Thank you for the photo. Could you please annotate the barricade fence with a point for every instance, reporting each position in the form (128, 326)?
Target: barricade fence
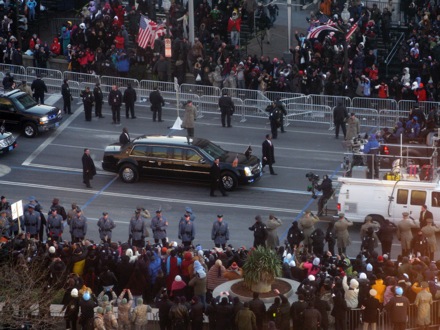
(372, 112)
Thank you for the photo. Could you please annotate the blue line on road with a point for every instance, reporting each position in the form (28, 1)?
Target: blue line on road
(42, 170)
(99, 192)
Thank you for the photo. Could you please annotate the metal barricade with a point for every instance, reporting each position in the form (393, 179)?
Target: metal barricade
(75, 88)
(12, 69)
(53, 85)
(301, 99)
(200, 90)
(310, 113)
(81, 77)
(329, 100)
(425, 106)
(367, 117)
(151, 85)
(44, 73)
(389, 118)
(246, 94)
(119, 81)
(209, 104)
(281, 95)
(254, 108)
(374, 103)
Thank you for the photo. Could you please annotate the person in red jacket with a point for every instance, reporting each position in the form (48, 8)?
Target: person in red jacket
(55, 48)
(420, 93)
(119, 41)
(234, 27)
(383, 91)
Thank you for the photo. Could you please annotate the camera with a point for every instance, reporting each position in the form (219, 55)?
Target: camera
(312, 187)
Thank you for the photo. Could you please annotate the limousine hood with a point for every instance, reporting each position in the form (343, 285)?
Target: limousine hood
(229, 157)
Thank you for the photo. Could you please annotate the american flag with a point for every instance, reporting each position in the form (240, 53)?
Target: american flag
(147, 32)
(352, 29)
(316, 31)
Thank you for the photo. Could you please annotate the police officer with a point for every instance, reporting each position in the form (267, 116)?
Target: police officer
(32, 221)
(79, 226)
(105, 227)
(129, 100)
(115, 101)
(136, 230)
(260, 232)
(97, 94)
(371, 148)
(220, 232)
(280, 105)
(159, 227)
(55, 225)
(227, 108)
(88, 99)
(67, 97)
(187, 231)
(157, 102)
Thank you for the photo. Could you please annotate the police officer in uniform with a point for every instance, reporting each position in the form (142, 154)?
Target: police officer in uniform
(159, 227)
(97, 94)
(227, 108)
(67, 97)
(186, 231)
(79, 226)
(32, 221)
(55, 225)
(260, 232)
(105, 227)
(88, 99)
(136, 230)
(220, 232)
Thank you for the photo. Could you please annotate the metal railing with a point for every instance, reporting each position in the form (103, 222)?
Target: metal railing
(393, 51)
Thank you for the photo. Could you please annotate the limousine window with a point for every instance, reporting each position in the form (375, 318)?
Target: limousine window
(192, 156)
(212, 149)
(139, 150)
(418, 197)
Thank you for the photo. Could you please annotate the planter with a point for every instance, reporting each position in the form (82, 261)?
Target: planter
(262, 287)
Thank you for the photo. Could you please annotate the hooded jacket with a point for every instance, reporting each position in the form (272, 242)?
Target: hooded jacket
(351, 292)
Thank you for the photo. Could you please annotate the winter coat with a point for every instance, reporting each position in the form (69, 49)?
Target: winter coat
(220, 232)
(189, 117)
(273, 240)
(398, 308)
(423, 303)
(199, 285)
(129, 95)
(215, 276)
(351, 292)
(341, 232)
(353, 128)
(245, 320)
(159, 227)
(370, 313)
(139, 316)
(404, 234)
(79, 227)
(187, 231)
(307, 225)
(429, 231)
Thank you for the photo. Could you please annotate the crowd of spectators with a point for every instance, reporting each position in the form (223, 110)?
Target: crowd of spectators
(106, 43)
(179, 279)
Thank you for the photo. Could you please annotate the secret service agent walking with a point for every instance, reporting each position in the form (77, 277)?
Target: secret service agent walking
(268, 153)
(216, 182)
(129, 100)
(159, 227)
(88, 99)
(89, 170)
(105, 227)
(220, 232)
(340, 115)
(115, 101)
(137, 230)
(157, 102)
(39, 88)
(260, 232)
(227, 108)
(67, 97)
(99, 98)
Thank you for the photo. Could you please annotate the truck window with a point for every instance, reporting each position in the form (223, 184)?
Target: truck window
(435, 199)
(418, 197)
(402, 196)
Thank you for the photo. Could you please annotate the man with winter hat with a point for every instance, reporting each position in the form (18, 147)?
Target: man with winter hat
(370, 307)
(71, 310)
(260, 232)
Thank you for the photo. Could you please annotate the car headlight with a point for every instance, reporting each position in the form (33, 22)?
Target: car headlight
(44, 120)
(59, 113)
(247, 171)
(3, 143)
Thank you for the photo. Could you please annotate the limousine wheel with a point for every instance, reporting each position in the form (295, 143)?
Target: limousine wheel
(128, 173)
(229, 180)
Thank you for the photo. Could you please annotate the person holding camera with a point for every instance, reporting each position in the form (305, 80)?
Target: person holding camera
(307, 225)
(227, 108)
(342, 234)
(326, 187)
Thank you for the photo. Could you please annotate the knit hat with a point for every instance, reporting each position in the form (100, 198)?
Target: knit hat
(363, 276)
(177, 278)
(316, 261)
(124, 301)
(380, 258)
(99, 310)
(218, 262)
(399, 290)
(52, 250)
(234, 266)
(311, 278)
(86, 296)
(292, 263)
(74, 293)
(354, 284)
(201, 272)
(369, 268)
(197, 266)
(373, 293)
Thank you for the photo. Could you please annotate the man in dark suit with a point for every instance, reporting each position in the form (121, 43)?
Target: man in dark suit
(216, 179)
(268, 153)
(424, 215)
(124, 138)
(227, 108)
(157, 102)
(39, 88)
(89, 170)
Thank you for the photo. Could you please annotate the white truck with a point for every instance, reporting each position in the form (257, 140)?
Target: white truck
(387, 199)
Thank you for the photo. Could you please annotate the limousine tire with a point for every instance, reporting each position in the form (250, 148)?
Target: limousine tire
(229, 180)
(128, 173)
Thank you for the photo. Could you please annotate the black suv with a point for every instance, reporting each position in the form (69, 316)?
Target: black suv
(171, 157)
(19, 109)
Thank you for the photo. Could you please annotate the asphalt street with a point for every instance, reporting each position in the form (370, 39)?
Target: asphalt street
(50, 166)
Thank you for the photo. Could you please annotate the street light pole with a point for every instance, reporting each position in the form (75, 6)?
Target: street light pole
(289, 24)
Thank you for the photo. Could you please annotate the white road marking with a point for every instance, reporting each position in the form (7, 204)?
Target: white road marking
(149, 198)
(4, 170)
(52, 137)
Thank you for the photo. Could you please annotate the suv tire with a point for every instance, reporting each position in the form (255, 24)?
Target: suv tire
(30, 130)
